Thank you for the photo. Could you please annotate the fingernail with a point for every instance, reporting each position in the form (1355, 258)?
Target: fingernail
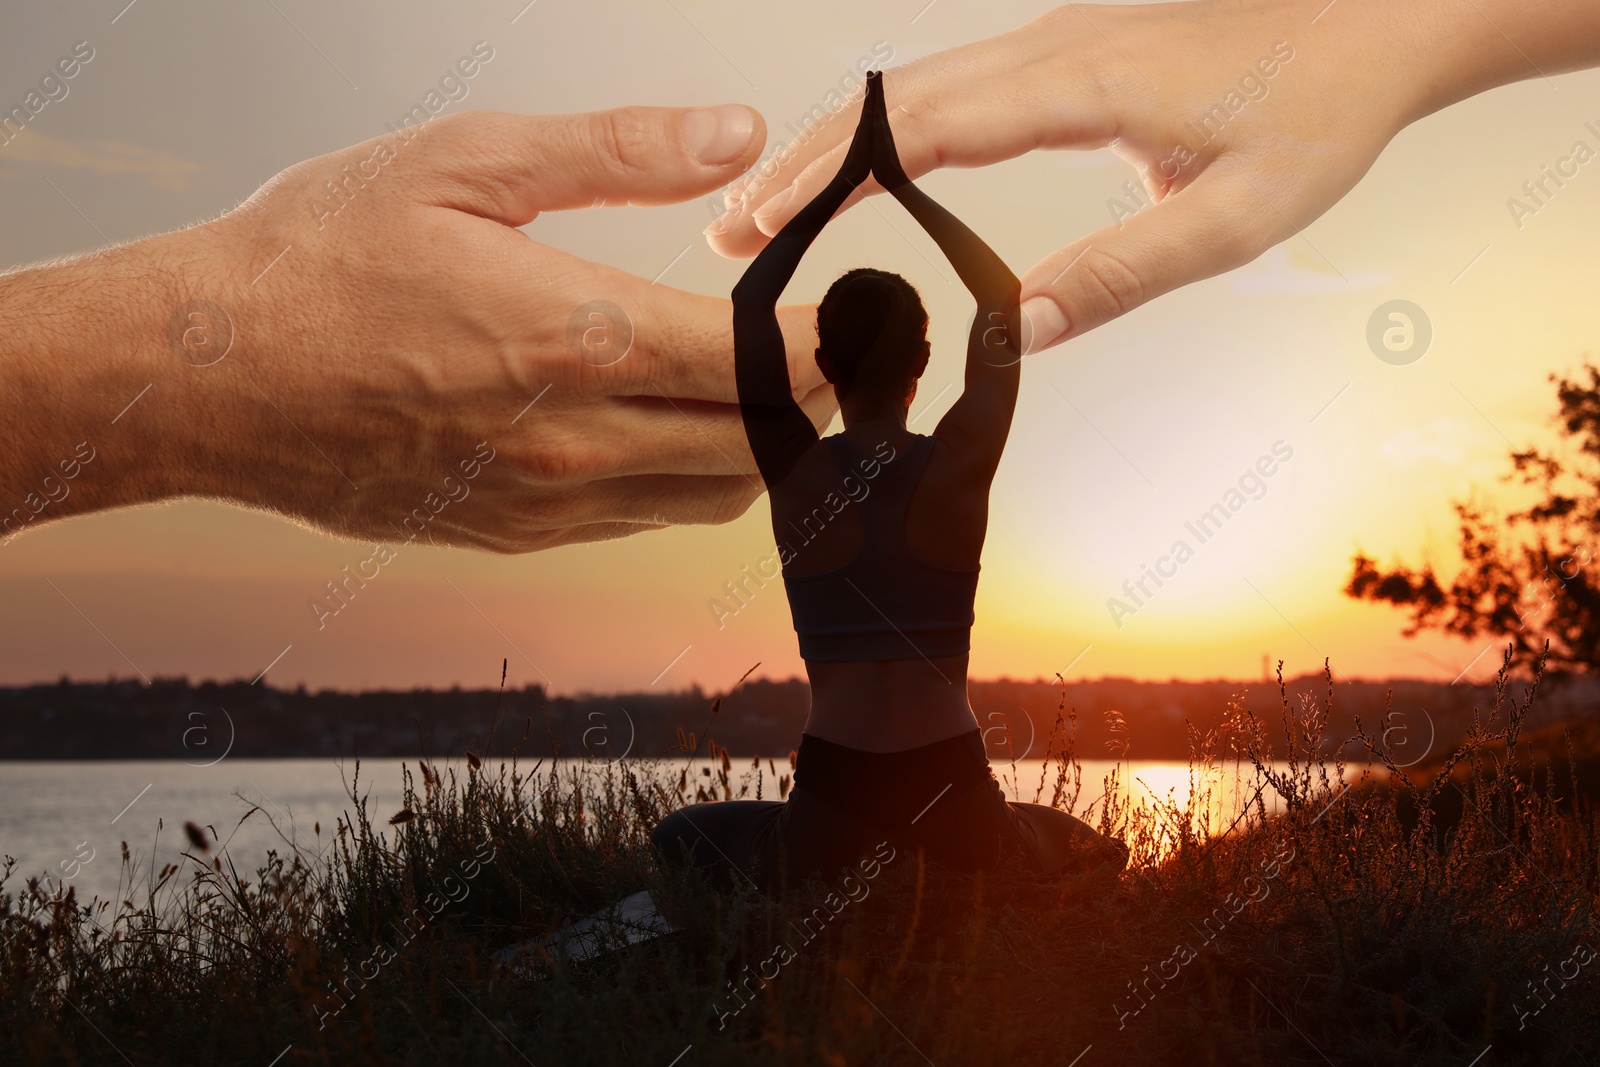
(718, 135)
(766, 218)
(723, 222)
(1044, 323)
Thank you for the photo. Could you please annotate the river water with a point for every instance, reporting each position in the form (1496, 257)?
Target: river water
(68, 820)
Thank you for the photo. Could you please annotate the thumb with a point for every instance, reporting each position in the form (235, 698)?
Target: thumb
(1207, 227)
(511, 167)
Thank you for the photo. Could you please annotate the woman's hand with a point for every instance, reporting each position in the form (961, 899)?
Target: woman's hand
(370, 346)
(886, 166)
(857, 165)
(1246, 119)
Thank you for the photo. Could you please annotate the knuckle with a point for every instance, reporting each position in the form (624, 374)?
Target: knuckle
(1236, 244)
(557, 462)
(535, 541)
(549, 526)
(732, 500)
(622, 141)
(1060, 17)
(458, 125)
(451, 136)
(507, 547)
(1111, 282)
(1075, 53)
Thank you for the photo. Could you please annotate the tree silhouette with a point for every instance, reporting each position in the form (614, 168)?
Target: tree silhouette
(1529, 578)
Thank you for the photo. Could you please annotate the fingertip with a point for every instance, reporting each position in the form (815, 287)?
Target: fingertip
(1044, 324)
(722, 223)
(776, 211)
(720, 135)
(740, 240)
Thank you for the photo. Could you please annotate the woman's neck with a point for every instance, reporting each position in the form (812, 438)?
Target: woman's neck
(878, 422)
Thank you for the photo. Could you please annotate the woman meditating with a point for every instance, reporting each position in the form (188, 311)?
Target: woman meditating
(879, 532)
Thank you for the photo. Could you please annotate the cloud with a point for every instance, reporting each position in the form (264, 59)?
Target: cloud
(1295, 267)
(1442, 440)
(161, 170)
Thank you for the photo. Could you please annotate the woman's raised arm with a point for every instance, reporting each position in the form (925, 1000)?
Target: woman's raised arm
(981, 418)
(779, 431)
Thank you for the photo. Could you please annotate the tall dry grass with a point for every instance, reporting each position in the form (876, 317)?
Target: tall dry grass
(1346, 914)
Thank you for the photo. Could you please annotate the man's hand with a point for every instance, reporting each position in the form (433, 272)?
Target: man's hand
(1246, 119)
(369, 345)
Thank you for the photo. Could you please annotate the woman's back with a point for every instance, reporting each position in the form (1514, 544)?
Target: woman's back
(946, 516)
(905, 589)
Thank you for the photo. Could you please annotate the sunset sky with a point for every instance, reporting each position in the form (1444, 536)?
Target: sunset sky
(1120, 437)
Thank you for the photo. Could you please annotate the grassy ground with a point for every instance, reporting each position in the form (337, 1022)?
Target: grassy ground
(1412, 918)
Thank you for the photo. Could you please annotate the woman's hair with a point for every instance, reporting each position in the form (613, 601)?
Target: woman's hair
(872, 327)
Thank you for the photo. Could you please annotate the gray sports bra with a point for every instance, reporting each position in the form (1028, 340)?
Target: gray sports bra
(885, 603)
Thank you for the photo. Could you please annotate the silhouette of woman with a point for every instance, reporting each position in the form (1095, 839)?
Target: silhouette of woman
(879, 531)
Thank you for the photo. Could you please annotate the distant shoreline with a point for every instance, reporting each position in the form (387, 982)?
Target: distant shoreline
(173, 719)
(14, 687)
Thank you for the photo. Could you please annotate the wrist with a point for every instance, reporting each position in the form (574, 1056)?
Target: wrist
(1443, 52)
(98, 412)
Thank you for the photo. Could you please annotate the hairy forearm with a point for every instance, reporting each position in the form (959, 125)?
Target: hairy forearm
(86, 383)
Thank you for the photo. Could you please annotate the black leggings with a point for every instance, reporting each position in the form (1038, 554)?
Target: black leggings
(847, 804)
